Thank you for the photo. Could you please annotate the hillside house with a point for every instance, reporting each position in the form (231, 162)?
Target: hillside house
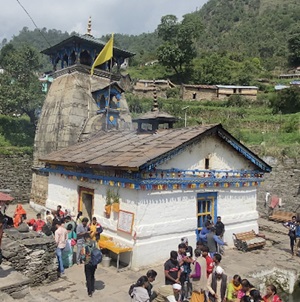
(198, 92)
(225, 91)
(145, 88)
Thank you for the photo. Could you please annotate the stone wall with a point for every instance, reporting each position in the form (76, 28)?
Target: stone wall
(30, 254)
(39, 190)
(283, 181)
(15, 176)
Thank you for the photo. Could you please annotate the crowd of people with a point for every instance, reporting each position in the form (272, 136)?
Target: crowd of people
(70, 235)
(197, 275)
(190, 275)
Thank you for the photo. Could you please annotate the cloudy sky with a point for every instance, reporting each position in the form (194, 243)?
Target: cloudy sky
(118, 16)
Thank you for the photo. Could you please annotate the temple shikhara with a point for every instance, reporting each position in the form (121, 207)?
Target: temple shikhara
(159, 182)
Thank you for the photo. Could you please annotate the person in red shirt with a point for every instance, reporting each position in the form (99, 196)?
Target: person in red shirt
(39, 223)
(209, 260)
(271, 294)
(59, 212)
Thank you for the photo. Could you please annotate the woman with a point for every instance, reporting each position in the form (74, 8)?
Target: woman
(79, 218)
(245, 290)
(255, 295)
(19, 214)
(271, 294)
(233, 287)
(139, 292)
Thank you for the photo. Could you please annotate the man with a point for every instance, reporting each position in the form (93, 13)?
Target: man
(89, 267)
(217, 261)
(205, 230)
(198, 277)
(61, 236)
(220, 227)
(185, 267)
(208, 259)
(172, 269)
(95, 229)
(151, 275)
(82, 231)
(291, 226)
(1, 234)
(168, 293)
(220, 230)
(297, 233)
(189, 249)
(59, 212)
(69, 221)
(39, 223)
(217, 285)
(213, 240)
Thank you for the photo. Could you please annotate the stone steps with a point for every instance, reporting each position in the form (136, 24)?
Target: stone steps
(13, 283)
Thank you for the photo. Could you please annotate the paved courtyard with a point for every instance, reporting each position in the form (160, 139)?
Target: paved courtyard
(113, 287)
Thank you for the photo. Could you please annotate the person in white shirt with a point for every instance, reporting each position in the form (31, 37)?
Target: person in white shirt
(168, 293)
(217, 285)
(61, 236)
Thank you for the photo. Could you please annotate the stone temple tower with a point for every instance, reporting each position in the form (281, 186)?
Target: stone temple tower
(77, 104)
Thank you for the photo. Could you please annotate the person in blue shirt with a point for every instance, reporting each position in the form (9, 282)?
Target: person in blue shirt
(212, 241)
(291, 226)
(297, 232)
(205, 230)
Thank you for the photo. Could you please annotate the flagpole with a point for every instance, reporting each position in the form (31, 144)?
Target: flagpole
(109, 89)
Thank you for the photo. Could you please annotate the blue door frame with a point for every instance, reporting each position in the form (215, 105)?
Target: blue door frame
(206, 205)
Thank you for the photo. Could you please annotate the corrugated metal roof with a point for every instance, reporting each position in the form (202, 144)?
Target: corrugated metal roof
(236, 87)
(200, 86)
(126, 149)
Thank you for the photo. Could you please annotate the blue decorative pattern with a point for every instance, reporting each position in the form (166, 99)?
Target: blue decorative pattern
(183, 180)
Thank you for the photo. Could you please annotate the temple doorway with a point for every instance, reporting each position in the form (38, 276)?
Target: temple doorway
(86, 202)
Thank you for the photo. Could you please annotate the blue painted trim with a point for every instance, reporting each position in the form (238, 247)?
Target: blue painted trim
(226, 136)
(138, 183)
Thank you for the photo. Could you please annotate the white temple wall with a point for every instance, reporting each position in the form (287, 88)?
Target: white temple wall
(161, 217)
(221, 156)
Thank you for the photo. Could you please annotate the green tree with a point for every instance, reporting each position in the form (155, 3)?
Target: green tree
(294, 48)
(20, 89)
(286, 101)
(178, 49)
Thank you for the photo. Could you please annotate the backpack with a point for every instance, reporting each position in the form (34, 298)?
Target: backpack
(96, 256)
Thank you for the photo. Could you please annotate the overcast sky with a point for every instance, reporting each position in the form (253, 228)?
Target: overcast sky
(118, 16)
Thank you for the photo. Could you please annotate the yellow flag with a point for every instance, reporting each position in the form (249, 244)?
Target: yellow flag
(105, 54)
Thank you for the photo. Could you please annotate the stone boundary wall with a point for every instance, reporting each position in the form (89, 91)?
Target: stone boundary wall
(283, 181)
(31, 254)
(16, 175)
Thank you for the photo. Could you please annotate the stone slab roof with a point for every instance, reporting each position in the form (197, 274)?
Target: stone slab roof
(97, 43)
(130, 150)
